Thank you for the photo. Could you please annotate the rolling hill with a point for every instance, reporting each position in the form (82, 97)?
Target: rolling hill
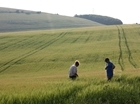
(106, 20)
(34, 66)
(21, 20)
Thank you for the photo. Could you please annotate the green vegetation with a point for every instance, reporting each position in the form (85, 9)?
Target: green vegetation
(101, 19)
(34, 66)
(21, 20)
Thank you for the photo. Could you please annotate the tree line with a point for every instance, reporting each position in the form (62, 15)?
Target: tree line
(101, 19)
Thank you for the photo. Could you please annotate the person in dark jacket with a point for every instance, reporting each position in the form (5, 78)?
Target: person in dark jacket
(109, 69)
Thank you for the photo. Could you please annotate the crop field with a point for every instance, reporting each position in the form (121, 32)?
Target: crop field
(34, 66)
(11, 22)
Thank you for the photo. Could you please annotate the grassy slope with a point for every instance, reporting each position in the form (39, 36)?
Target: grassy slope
(45, 50)
(34, 63)
(50, 50)
(35, 21)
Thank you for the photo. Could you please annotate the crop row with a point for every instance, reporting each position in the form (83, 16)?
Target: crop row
(15, 60)
(122, 37)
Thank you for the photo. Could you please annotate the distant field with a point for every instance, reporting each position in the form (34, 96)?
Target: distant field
(34, 66)
(21, 20)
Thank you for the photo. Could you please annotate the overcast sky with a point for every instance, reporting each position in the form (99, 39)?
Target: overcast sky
(125, 10)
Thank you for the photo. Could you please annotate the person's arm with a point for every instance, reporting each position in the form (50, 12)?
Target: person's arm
(76, 72)
(106, 67)
(113, 66)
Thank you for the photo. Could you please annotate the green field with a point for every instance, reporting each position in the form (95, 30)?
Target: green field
(34, 66)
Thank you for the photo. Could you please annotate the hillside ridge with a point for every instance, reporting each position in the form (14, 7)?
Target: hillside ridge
(22, 20)
(106, 20)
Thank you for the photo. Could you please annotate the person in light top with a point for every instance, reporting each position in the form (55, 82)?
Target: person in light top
(109, 69)
(73, 70)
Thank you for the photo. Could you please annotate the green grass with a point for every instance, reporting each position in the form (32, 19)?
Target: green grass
(83, 91)
(34, 66)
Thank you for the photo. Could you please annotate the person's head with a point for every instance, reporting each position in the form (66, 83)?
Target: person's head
(77, 63)
(107, 60)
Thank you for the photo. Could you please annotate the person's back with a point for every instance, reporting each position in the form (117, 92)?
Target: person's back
(73, 70)
(109, 69)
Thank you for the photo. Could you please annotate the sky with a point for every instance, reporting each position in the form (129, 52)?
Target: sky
(125, 10)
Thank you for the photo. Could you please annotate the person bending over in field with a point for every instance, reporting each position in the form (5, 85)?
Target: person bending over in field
(73, 70)
(109, 69)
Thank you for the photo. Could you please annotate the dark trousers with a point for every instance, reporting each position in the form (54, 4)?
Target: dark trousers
(72, 77)
(109, 77)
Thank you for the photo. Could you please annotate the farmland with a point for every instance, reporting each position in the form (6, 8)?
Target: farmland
(34, 66)
(20, 20)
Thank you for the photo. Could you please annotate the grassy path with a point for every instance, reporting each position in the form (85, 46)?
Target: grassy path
(120, 59)
(122, 36)
(130, 58)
